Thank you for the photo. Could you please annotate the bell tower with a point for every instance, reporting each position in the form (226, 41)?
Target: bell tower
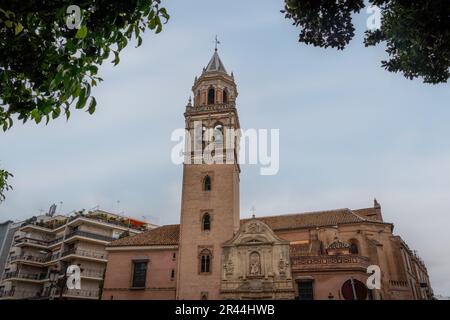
(210, 193)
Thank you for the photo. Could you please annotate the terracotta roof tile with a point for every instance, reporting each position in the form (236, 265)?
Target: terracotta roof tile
(311, 219)
(169, 234)
(165, 235)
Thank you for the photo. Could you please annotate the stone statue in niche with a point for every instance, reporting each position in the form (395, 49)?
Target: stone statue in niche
(282, 265)
(229, 267)
(255, 264)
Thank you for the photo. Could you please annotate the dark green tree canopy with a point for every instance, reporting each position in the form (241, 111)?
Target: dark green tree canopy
(49, 57)
(46, 66)
(4, 186)
(416, 32)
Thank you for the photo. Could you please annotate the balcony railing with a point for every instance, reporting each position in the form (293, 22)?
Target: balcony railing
(211, 107)
(100, 218)
(50, 243)
(54, 256)
(92, 273)
(23, 275)
(19, 294)
(31, 241)
(79, 293)
(324, 262)
(85, 253)
(26, 257)
(89, 235)
(398, 283)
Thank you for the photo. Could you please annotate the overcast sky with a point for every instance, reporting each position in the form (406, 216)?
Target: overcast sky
(349, 131)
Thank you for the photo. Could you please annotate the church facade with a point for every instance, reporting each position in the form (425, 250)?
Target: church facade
(214, 254)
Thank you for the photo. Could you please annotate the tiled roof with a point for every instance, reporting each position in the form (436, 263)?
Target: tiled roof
(169, 234)
(311, 219)
(165, 235)
(369, 213)
(215, 64)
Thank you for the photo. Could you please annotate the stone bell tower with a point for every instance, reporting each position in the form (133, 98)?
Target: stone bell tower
(210, 195)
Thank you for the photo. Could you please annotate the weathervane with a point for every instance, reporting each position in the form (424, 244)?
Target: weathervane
(217, 42)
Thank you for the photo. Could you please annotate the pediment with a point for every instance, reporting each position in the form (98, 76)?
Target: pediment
(254, 231)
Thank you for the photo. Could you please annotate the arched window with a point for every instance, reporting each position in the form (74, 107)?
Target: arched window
(353, 247)
(207, 183)
(205, 261)
(225, 96)
(206, 222)
(201, 137)
(218, 134)
(211, 95)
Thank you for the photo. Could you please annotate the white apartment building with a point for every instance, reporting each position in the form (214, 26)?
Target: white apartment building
(44, 247)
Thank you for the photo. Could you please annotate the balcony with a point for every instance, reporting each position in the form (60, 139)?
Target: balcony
(89, 235)
(27, 259)
(80, 294)
(123, 223)
(398, 285)
(190, 110)
(31, 242)
(92, 274)
(86, 254)
(19, 294)
(23, 276)
(53, 258)
(49, 227)
(329, 263)
(54, 242)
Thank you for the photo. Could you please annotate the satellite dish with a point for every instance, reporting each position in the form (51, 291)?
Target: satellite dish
(52, 210)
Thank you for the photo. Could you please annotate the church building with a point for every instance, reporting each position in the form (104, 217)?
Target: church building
(214, 254)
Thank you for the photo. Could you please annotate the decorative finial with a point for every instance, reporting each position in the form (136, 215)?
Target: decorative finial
(253, 210)
(190, 101)
(217, 42)
(376, 204)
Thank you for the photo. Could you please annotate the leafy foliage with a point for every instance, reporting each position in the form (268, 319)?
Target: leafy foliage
(416, 32)
(4, 186)
(46, 67)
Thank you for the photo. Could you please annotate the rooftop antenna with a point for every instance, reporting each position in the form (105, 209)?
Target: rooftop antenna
(51, 210)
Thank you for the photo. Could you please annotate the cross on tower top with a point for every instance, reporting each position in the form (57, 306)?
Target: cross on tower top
(253, 210)
(217, 42)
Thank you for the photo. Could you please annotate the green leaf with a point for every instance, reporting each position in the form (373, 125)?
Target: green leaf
(116, 58)
(92, 106)
(56, 112)
(36, 115)
(19, 28)
(81, 99)
(81, 33)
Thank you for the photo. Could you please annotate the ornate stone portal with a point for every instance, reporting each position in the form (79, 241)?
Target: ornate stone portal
(256, 265)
